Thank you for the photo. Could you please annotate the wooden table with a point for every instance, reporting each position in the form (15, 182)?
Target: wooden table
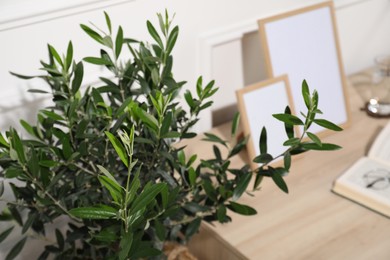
(310, 222)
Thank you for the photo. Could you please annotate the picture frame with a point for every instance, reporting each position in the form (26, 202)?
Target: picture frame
(304, 44)
(256, 104)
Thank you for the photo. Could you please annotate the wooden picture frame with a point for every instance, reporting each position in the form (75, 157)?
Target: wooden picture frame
(304, 45)
(257, 103)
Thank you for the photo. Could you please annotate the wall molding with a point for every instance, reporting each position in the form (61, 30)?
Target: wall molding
(15, 14)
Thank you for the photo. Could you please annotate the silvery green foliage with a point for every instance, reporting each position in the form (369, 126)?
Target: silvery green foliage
(104, 157)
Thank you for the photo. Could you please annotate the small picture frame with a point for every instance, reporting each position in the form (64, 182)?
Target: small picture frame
(256, 104)
(303, 44)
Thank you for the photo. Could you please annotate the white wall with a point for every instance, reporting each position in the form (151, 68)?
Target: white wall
(363, 30)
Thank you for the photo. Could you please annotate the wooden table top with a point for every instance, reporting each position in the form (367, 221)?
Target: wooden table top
(310, 222)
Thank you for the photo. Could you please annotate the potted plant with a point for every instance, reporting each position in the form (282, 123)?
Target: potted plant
(107, 159)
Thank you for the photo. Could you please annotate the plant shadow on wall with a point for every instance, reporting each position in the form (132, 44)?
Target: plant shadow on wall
(109, 158)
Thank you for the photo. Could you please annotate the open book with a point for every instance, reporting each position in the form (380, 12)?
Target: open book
(367, 181)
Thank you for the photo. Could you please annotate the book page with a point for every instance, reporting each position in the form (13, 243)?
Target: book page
(380, 149)
(368, 178)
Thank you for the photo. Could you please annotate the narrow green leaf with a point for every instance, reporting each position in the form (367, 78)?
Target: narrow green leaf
(278, 180)
(192, 176)
(242, 185)
(241, 209)
(69, 56)
(189, 99)
(263, 158)
(235, 124)
(160, 230)
(258, 180)
(221, 213)
(97, 61)
(21, 76)
(78, 77)
(55, 55)
(263, 141)
(1, 189)
(287, 161)
(48, 163)
(314, 138)
(27, 127)
(199, 90)
(292, 141)
(97, 212)
(154, 34)
(53, 115)
(30, 220)
(119, 148)
(323, 147)
(217, 153)
(147, 118)
(60, 239)
(306, 94)
(5, 234)
(38, 91)
(172, 39)
(288, 119)
(94, 35)
(113, 188)
(147, 196)
(193, 227)
(119, 42)
(288, 128)
(3, 141)
(108, 22)
(16, 249)
(327, 124)
(213, 138)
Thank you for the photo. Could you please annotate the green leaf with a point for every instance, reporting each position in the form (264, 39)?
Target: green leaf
(221, 213)
(241, 185)
(235, 124)
(18, 146)
(3, 141)
(160, 230)
(48, 163)
(147, 118)
(258, 180)
(213, 138)
(217, 153)
(306, 94)
(119, 148)
(199, 90)
(147, 196)
(189, 99)
(30, 220)
(5, 234)
(288, 119)
(119, 42)
(16, 249)
(60, 239)
(287, 161)
(94, 35)
(241, 209)
(97, 212)
(97, 61)
(172, 39)
(327, 124)
(38, 91)
(78, 77)
(263, 158)
(292, 141)
(69, 56)
(1, 189)
(125, 245)
(154, 34)
(27, 127)
(55, 55)
(21, 76)
(314, 138)
(288, 128)
(193, 227)
(108, 22)
(192, 176)
(113, 188)
(263, 141)
(323, 147)
(278, 180)
(52, 115)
